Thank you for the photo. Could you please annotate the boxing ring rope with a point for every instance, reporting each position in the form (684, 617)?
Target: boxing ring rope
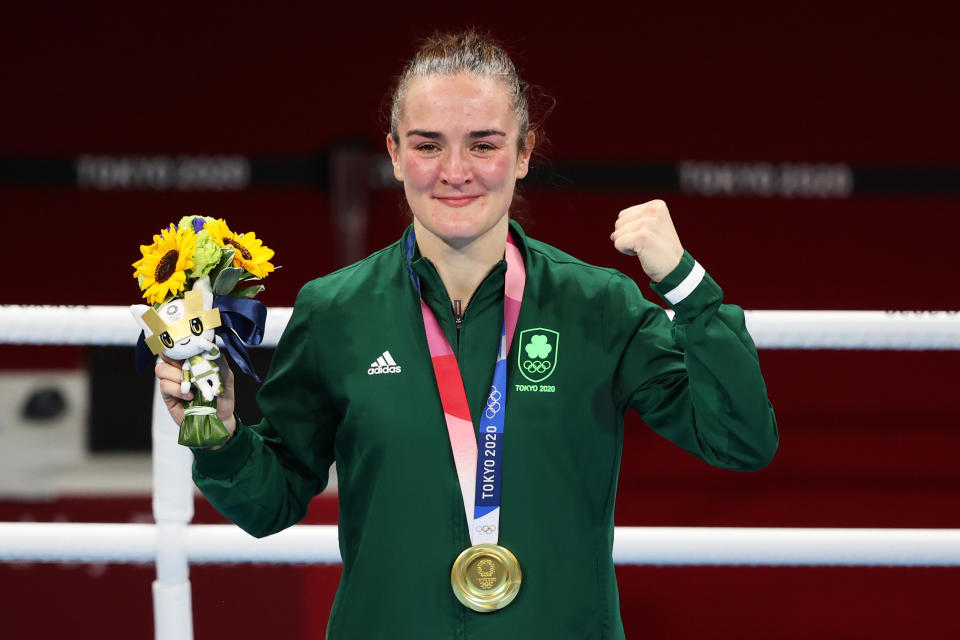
(113, 326)
(663, 546)
(172, 544)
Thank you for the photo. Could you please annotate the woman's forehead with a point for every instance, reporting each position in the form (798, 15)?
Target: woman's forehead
(454, 101)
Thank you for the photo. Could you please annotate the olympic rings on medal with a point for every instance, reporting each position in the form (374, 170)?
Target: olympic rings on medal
(486, 529)
(536, 367)
(493, 403)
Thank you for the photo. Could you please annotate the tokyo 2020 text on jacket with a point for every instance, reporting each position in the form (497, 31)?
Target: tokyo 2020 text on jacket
(352, 381)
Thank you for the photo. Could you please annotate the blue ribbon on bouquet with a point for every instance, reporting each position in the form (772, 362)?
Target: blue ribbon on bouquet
(242, 321)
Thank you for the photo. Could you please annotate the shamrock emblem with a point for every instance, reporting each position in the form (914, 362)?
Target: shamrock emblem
(538, 347)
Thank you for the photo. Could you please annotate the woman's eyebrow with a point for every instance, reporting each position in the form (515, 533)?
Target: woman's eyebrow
(483, 133)
(433, 135)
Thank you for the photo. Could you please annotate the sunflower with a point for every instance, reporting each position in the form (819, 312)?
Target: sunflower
(249, 252)
(161, 270)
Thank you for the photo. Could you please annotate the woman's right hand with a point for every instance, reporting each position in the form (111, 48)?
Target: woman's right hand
(170, 374)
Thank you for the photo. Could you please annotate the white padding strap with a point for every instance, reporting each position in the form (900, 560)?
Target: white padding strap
(687, 285)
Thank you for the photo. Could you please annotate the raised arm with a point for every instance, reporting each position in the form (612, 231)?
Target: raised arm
(695, 380)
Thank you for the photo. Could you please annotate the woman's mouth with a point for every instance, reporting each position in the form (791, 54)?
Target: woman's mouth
(456, 201)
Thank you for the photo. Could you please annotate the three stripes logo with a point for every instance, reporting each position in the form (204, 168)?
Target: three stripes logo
(384, 364)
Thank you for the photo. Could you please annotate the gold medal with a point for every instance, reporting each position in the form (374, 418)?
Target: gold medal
(485, 577)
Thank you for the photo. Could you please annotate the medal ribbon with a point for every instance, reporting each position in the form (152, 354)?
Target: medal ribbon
(478, 468)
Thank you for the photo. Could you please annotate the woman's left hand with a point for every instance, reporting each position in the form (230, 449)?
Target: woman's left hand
(646, 231)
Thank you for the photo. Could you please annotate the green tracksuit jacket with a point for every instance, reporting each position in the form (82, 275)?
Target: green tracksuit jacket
(328, 396)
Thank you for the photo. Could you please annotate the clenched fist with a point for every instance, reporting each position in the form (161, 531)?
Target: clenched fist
(646, 231)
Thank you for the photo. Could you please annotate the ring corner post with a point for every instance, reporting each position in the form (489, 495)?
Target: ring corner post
(172, 511)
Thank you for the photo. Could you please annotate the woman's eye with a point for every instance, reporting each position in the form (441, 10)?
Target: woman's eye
(483, 147)
(196, 326)
(428, 147)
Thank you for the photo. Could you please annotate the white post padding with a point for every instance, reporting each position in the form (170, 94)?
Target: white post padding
(172, 613)
(171, 553)
(172, 467)
(172, 511)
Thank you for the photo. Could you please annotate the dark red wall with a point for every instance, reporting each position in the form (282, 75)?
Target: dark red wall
(867, 437)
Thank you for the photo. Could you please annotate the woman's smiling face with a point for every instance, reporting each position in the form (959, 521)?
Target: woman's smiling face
(458, 155)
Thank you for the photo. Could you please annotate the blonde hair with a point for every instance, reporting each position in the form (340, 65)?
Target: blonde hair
(458, 53)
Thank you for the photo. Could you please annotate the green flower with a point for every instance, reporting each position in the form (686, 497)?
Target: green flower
(206, 256)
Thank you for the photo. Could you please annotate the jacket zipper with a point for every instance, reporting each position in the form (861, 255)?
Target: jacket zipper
(458, 316)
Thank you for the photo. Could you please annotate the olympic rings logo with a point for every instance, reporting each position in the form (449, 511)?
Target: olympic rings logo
(493, 403)
(486, 529)
(539, 366)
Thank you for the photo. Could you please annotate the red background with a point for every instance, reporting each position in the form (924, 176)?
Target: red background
(867, 437)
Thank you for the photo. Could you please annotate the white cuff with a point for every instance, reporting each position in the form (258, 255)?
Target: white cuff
(687, 285)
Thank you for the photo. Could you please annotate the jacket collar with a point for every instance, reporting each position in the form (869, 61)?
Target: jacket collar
(432, 289)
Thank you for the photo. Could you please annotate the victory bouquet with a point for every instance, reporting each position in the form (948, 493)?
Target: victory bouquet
(200, 278)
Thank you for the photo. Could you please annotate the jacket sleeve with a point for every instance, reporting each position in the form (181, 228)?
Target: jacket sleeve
(264, 478)
(696, 380)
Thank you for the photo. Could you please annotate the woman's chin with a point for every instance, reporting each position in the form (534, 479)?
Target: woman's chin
(462, 225)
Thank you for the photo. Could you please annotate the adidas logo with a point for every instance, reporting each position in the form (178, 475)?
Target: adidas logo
(383, 364)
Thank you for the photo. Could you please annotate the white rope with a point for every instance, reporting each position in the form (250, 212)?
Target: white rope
(24, 324)
(317, 544)
(854, 329)
(99, 325)
(137, 543)
(786, 547)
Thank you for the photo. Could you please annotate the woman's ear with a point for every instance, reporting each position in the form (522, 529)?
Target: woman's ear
(523, 163)
(394, 157)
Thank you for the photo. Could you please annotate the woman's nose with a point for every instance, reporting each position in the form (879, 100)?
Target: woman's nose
(456, 169)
